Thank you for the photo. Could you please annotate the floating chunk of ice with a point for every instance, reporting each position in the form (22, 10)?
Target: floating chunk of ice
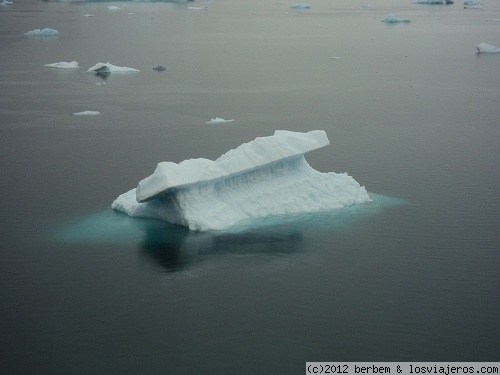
(218, 120)
(438, 2)
(41, 33)
(63, 65)
(159, 68)
(102, 68)
(301, 6)
(472, 5)
(87, 113)
(198, 8)
(268, 176)
(6, 2)
(113, 7)
(391, 18)
(487, 48)
(88, 15)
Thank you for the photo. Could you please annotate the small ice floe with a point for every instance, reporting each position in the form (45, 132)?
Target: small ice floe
(63, 65)
(301, 6)
(159, 68)
(218, 120)
(487, 48)
(438, 2)
(335, 57)
(88, 15)
(472, 5)
(87, 113)
(103, 70)
(113, 7)
(391, 18)
(198, 8)
(6, 2)
(42, 33)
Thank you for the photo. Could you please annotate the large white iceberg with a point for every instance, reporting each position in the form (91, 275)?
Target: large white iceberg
(487, 48)
(391, 18)
(63, 65)
(268, 176)
(107, 68)
(41, 33)
(438, 2)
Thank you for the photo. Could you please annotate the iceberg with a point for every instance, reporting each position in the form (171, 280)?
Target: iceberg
(267, 177)
(218, 120)
(63, 65)
(40, 33)
(391, 18)
(472, 5)
(301, 6)
(87, 113)
(106, 69)
(6, 2)
(438, 2)
(487, 48)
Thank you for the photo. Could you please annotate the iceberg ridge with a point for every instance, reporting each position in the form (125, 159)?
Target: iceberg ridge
(265, 177)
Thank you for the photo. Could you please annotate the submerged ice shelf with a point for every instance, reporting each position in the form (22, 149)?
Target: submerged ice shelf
(268, 176)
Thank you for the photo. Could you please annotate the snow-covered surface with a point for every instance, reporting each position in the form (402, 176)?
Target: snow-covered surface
(391, 18)
(63, 65)
(110, 68)
(87, 113)
(301, 6)
(487, 48)
(218, 120)
(268, 176)
(47, 32)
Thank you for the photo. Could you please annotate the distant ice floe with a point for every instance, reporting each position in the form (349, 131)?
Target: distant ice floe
(438, 2)
(87, 113)
(487, 48)
(113, 7)
(107, 68)
(63, 65)
(391, 18)
(267, 177)
(218, 120)
(42, 33)
(472, 5)
(301, 6)
(159, 68)
(88, 15)
(6, 2)
(198, 8)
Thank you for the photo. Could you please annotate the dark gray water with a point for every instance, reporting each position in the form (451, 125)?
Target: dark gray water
(412, 113)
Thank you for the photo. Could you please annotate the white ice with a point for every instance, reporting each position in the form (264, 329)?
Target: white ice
(472, 5)
(113, 7)
(47, 32)
(87, 113)
(432, 2)
(6, 2)
(110, 68)
(63, 65)
(218, 120)
(391, 18)
(268, 176)
(487, 48)
(198, 8)
(301, 6)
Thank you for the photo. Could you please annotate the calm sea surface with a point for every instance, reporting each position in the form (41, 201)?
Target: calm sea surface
(412, 113)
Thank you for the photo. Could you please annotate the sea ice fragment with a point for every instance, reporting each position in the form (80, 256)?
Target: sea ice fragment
(487, 48)
(63, 65)
(41, 33)
(391, 18)
(218, 120)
